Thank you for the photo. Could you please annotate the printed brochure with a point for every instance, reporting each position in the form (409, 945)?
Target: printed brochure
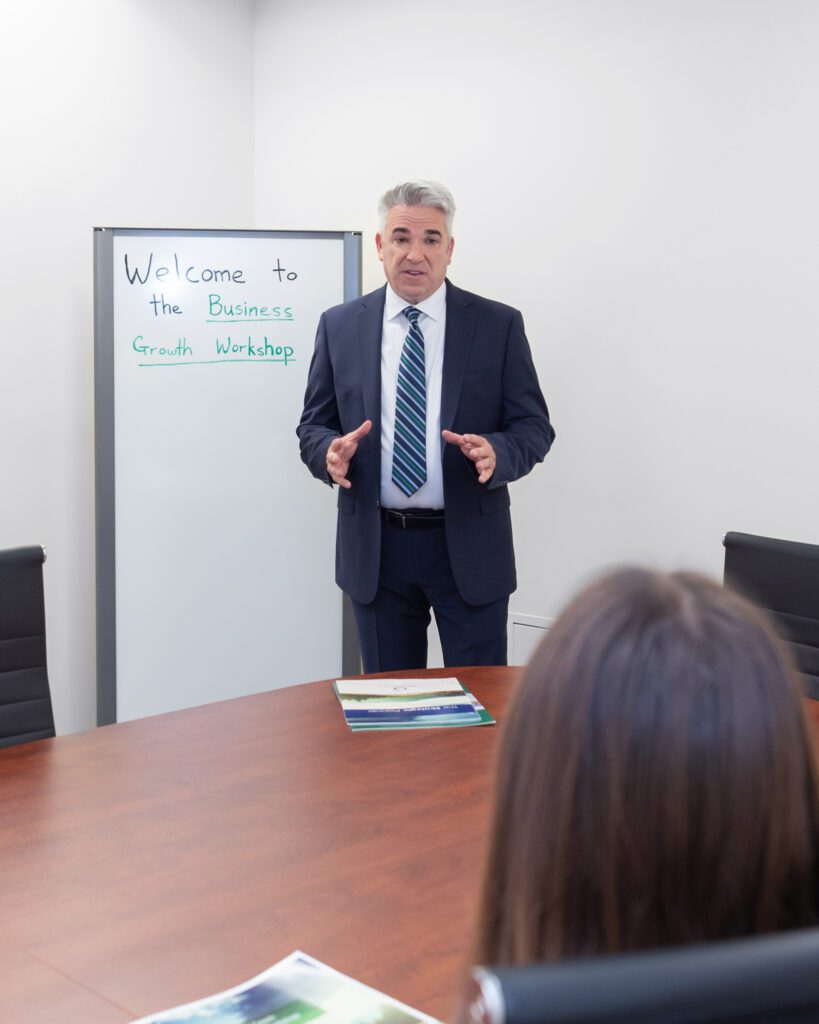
(409, 704)
(296, 990)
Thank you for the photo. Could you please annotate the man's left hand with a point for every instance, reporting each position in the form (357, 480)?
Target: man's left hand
(475, 448)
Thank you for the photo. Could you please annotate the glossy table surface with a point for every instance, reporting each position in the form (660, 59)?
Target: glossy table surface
(154, 862)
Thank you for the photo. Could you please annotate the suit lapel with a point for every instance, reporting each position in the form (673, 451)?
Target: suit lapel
(369, 324)
(460, 324)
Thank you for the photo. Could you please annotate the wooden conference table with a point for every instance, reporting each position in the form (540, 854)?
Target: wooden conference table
(153, 862)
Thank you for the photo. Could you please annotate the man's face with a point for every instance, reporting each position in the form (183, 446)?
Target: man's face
(415, 250)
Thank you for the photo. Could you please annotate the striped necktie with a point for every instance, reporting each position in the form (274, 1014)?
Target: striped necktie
(409, 453)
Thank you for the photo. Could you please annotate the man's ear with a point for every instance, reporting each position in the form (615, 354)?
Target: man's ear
(451, 247)
(379, 247)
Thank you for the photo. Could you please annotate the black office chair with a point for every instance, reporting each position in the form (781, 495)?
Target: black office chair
(781, 576)
(25, 697)
(770, 980)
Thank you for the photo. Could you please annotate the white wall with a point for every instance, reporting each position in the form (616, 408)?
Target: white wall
(115, 112)
(639, 177)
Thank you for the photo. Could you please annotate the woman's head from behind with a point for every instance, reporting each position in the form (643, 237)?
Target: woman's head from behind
(655, 784)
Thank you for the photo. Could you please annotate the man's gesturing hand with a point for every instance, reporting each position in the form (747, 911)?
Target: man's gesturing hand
(341, 451)
(476, 448)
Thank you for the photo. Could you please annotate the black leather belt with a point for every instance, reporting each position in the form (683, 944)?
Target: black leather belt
(413, 518)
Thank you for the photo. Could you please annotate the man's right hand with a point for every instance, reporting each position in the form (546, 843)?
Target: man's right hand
(341, 452)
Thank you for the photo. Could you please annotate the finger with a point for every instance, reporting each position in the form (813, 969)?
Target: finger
(476, 453)
(338, 446)
(359, 432)
(348, 449)
(339, 475)
(464, 446)
(452, 438)
(475, 439)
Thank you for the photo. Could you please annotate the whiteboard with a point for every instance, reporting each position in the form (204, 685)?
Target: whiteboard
(215, 545)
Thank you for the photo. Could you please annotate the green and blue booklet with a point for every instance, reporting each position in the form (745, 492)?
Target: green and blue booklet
(297, 990)
(409, 704)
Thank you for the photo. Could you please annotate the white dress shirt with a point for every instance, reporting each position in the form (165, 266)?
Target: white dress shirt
(393, 334)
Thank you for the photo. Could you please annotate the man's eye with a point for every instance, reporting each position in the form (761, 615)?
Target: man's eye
(432, 241)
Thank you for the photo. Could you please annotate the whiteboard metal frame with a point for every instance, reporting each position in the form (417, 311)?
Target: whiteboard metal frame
(104, 451)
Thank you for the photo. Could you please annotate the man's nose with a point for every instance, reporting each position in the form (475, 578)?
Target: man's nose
(415, 252)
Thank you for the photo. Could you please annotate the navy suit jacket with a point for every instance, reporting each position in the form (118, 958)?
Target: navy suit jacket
(489, 387)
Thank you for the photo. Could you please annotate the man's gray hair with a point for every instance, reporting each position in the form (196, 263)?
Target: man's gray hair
(417, 193)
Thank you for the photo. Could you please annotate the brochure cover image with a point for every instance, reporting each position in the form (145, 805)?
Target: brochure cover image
(296, 990)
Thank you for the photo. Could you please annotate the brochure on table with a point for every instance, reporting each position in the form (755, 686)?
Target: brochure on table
(295, 990)
(409, 704)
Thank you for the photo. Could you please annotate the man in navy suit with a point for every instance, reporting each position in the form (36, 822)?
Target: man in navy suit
(422, 405)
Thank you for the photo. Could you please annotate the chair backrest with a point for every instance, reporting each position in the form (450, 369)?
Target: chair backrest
(781, 576)
(770, 980)
(25, 698)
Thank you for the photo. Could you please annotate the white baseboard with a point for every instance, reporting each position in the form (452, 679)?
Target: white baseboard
(525, 633)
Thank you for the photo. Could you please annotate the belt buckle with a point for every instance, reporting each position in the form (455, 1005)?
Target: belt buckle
(396, 518)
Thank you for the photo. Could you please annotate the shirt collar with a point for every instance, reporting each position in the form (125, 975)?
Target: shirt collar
(434, 306)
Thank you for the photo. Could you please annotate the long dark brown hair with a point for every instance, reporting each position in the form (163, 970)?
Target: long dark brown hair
(656, 784)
